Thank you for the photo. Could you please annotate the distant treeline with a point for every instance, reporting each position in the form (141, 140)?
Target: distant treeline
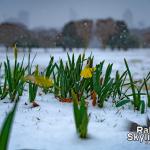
(76, 34)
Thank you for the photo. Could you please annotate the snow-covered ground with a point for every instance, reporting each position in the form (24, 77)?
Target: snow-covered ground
(51, 126)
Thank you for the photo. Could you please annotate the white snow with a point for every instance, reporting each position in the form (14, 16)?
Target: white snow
(51, 126)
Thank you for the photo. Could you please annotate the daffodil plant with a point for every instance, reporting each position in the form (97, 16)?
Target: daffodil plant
(135, 96)
(81, 116)
(67, 76)
(102, 85)
(86, 83)
(14, 75)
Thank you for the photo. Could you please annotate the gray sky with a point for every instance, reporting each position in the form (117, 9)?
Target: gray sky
(54, 13)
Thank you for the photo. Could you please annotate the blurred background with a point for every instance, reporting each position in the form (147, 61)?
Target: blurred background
(114, 24)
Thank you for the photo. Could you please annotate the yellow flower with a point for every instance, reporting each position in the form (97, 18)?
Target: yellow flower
(87, 72)
(40, 81)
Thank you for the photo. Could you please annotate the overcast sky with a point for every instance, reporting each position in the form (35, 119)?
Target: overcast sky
(54, 13)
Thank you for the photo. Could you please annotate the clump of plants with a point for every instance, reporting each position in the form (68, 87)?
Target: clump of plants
(36, 80)
(67, 75)
(102, 85)
(136, 93)
(13, 81)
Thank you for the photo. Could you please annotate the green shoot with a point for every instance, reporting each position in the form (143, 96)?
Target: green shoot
(118, 86)
(80, 115)
(6, 128)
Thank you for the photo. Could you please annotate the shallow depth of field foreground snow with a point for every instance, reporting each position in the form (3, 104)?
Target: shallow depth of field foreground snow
(51, 126)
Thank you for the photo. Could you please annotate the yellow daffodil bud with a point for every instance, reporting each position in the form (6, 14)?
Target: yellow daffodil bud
(87, 72)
